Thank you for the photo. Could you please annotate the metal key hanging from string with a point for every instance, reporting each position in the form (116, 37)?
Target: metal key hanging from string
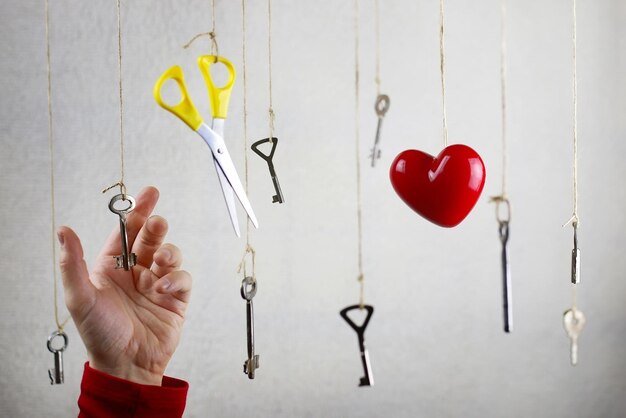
(573, 319)
(55, 374)
(278, 197)
(502, 199)
(368, 377)
(127, 259)
(382, 100)
(249, 283)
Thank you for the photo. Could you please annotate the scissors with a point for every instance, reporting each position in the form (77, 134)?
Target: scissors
(214, 136)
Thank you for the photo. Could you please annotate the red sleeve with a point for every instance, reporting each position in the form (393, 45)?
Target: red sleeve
(105, 396)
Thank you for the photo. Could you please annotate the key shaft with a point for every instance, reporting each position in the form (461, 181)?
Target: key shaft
(375, 153)
(278, 197)
(574, 351)
(368, 377)
(507, 308)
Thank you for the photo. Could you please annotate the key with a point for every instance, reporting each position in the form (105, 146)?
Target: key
(56, 374)
(574, 322)
(506, 278)
(576, 259)
(278, 197)
(381, 107)
(368, 378)
(248, 290)
(126, 260)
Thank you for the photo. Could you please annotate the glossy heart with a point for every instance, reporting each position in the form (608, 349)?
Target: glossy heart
(442, 189)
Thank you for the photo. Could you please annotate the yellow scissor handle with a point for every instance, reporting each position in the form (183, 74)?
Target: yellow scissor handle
(185, 109)
(219, 96)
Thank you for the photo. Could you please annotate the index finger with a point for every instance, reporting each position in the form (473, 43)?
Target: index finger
(146, 201)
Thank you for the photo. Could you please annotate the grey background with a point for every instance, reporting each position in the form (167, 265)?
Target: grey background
(435, 340)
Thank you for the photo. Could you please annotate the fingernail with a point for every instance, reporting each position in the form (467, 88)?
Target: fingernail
(166, 254)
(61, 238)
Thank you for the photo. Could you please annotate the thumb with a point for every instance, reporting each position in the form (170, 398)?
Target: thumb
(80, 293)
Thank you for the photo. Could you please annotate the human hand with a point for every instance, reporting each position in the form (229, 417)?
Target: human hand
(130, 321)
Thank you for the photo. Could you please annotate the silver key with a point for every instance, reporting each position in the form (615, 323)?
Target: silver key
(56, 374)
(574, 321)
(126, 260)
(506, 278)
(381, 107)
(248, 290)
(368, 378)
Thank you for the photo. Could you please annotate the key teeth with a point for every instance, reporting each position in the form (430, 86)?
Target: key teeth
(250, 365)
(119, 260)
(52, 375)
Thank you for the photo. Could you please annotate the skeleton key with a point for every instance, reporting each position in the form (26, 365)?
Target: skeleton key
(248, 290)
(278, 197)
(126, 260)
(368, 379)
(381, 107)
(574, 322)
(506, 277)
(56, 374)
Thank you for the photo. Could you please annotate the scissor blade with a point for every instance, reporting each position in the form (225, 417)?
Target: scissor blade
(222, 158)
(228, 197)
(218, 126)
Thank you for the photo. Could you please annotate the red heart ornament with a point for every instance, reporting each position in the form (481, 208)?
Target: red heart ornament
(442, 189)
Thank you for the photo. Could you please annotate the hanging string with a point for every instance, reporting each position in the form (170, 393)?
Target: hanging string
(377, 19)
(574, 220)
(361, 277)
(502, 198)
(503, 98)
(119, 61)
(249, 249)
(60, 324)
(120, 183)
(442, 67)
(212, 35)
(271, 114)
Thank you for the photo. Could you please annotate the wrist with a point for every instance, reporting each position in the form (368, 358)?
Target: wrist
(130, 372)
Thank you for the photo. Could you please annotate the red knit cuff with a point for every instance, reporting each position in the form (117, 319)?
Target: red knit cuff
(103, 395)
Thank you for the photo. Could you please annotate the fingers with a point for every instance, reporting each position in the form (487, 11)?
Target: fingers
(177, 284)
(149, 240)
(145, 202)
(167, 259)
(80, 293)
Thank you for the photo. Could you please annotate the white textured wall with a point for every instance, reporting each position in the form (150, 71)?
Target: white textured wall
(435, 340)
